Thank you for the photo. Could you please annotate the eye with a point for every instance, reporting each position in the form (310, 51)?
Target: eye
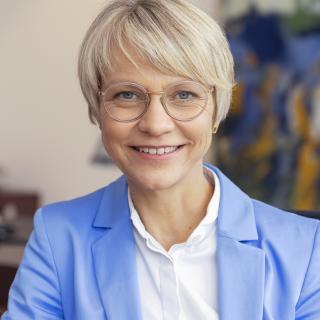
(126, 95)
(185, 95)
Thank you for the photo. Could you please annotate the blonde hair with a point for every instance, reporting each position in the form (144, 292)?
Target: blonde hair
(174, 36)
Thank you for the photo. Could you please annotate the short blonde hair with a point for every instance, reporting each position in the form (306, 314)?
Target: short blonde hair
(174, 36)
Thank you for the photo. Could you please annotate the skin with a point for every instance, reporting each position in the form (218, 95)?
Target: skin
(171, 194)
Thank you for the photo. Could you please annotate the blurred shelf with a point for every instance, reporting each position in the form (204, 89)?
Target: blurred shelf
(16, 213)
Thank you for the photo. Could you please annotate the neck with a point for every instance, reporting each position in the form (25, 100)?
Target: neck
(170, 215)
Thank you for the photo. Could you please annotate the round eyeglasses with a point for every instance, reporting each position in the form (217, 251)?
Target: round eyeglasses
(128, 101)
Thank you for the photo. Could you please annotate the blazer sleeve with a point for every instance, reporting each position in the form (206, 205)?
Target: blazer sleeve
(35, 292)
(308, 306)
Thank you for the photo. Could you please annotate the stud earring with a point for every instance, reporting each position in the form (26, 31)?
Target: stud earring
(214, 129)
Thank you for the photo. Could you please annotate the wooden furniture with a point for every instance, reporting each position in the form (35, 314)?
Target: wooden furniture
(23, 206)
(25, 203)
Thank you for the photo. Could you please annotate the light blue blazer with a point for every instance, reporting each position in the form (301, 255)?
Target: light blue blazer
(79, 263)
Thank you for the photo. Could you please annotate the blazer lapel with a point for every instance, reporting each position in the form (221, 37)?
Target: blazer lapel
(114, 256)
(241, 265)
(240, 280)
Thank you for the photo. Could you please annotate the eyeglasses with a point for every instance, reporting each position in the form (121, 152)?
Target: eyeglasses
(128, 101)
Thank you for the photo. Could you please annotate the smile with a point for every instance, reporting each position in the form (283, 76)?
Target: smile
(157, 151)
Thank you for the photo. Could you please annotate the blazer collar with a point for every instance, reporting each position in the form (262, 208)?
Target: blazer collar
(114, 257)
(113, 205)
(240, 265)
(236, 216)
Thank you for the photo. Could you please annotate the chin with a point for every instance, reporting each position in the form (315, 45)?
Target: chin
(154, 181)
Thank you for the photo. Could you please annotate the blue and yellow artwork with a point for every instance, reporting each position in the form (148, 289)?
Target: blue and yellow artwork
(270, 143)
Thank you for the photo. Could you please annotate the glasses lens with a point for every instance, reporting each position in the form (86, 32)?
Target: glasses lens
(124, 102)
(185, 100)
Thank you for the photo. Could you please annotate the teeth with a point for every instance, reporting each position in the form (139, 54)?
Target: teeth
(158, 150)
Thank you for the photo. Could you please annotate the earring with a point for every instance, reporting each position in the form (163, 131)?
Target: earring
(214, 129)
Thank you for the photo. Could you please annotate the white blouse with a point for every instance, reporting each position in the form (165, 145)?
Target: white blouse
(179, 284)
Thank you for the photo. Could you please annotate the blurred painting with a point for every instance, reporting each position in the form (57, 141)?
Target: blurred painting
(270, 145)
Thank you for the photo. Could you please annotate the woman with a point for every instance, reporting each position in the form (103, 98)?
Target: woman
(172, 238)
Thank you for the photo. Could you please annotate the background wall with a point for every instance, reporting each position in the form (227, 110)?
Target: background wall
(46, 140)
(45, 137)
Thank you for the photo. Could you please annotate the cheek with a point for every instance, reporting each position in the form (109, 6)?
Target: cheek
(201, 134)
(109, 139)
(115, 137)
(105, 140)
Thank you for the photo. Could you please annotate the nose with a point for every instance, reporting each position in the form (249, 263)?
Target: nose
(156, 121)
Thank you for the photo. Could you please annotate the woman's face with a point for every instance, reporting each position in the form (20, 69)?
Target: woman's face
(156, 132)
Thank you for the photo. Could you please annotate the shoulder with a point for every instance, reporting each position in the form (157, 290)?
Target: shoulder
(291, 245)
(78, 211)
(278, 223)
(289, 240)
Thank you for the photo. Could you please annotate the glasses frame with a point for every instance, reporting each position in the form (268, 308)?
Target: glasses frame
(162, 99)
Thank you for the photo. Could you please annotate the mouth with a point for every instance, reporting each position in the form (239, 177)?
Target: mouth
(163, 150)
